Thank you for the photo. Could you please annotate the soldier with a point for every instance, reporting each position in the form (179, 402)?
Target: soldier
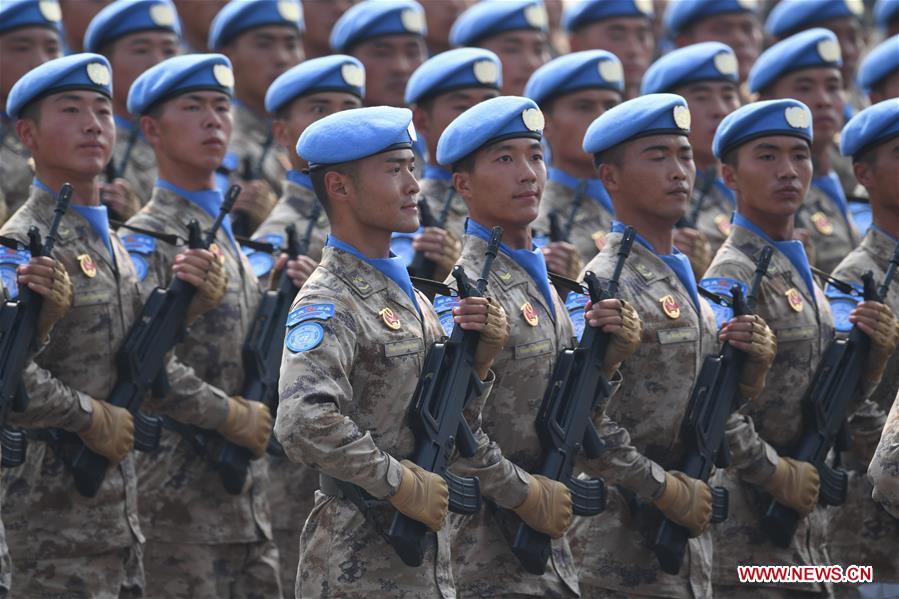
(623, 28)
(572, 91)
(440, 16)
(878, 75)
(705, 75)
(29, 36)
(766, 149)
(886, 16)
(732, 22)
(77, 15)
(65, 119)
(262, 40)
(497, 160)
(355, 344)
(133, 36)
(516, 31)
(201, 541)
(195, 17)
(860, 531)
(320, 16)
(806, 67)
(884, 468)
(644, 159)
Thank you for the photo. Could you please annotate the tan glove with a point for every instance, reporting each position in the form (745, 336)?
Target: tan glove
(624, 341)
(547, 507)
(248, 424)
(759, 358)
(210, 294)
(686, 501)
(697, 247)
(57, 303)
(493, 338)
(422, 496)
(794, 484)
(883, 344)
(255, 201)
(110, 432)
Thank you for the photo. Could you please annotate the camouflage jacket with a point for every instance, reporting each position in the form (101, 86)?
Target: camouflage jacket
(713, 219)
(435, 191)
(592, 221)
(832, 235)
(182, 495)
(251, 133)
(16, 170)
(884, 468)
(140, 170)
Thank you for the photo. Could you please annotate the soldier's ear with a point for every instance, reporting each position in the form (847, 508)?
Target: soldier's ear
(729, 176)
(863, 172)
(336, 186)
(609, 175)
(150, 128)
(281, 134)
(462, 184)
(421, 121)
(26, 130)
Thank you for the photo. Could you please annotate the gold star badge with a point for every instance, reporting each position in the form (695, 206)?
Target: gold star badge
(390, 319)
(670, 307)
(794, 299)
(822, 223)
(530, 314)
(88, 266)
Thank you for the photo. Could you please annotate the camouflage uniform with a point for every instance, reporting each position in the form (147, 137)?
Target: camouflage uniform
(884, 468)
(803, 333)
(141, 168)
(16, 170)
(5, 561)
(640, 430)
(832, 235)
(189, 517)
(251, 132)
(860, 530)
(483, 563)
(435, 192)
(343, 404)
(592, 221)
(718, 203)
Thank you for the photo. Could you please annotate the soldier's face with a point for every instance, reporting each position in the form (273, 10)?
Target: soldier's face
(431, 121)
(389, 61)
(567, 121)
(192, 130)
(303, 112)
(260, 55)
(22, 50)
(506, 184)
(320, 16)
(741, 31)
(852, 42)
(74, 133)
(441, 14)
(383, 193)
(709, 103)
(132, 55)
(879, 174)
(655, 177)
(521, 53)
(821, 89)
(628, 38)
(771, 177)
(77, 15)
(196, 16)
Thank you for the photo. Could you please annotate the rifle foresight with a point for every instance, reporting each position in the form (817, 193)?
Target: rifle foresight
(62, 206)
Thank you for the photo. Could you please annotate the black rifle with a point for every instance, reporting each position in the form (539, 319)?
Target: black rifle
(140, 362)
(825, 408)
(556, 231)
(690, 221)
(421, 266)
(114, 171)
(18, 337)
(261, 357)
(715, 396)
(565, 421)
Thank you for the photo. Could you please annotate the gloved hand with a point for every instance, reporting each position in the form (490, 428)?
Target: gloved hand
(203, 270)
(562, 258)
(697, 248)
(547, 507)
(493, 338)
(422, 496)
(620, 320)
(256, 201)
(877, 321)
(48, 278)
(440, 247)
(794, 484)
(110, 432)
(248, 424)
(750, 333)
(686, 501)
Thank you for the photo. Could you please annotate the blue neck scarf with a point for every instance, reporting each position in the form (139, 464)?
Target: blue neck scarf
(792, 249)
(726, 191)
(393, 267)
(676, 261)
(209, 200)
(437, 172)
(96, 216)
(531, 261)
(595, 189)
(830, 184)
(301, 179)
(123, 123)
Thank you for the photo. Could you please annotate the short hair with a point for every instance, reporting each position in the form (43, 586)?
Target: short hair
(466, 164)
(868, 156)
(730, 158)
(613, 156)
(317, 177)
(32, 111)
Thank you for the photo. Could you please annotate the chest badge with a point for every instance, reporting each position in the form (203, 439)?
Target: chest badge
(88, 266)
(670, 307)
(505, 276)
(390, 319)
(822, 223)
(217, 252)
(723, 224)
(794, 299)
(599, 239)
(530, 314)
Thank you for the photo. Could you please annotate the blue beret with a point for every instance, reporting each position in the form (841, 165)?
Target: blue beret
(179, 75)
(355, 134)
(370, 19)
(791, 16)
(870, 127)
(29, 13)
(812, 48)
(129, 16)
(885, 12)
(503, 117)
(707, 61)
(334, 73)
(590, 69)
(762, 119)
(680, 14)
(880, 63)
(653, 114)
(240, 15)
(590, 11)
(492, 17)
(455, 69)
(77, 71)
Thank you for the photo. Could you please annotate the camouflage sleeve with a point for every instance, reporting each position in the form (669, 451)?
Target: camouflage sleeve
(51, 403)
(884, 469)
(752, 457)
(314, 388)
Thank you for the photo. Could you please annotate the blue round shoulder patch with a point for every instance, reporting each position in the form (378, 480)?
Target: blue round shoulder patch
(140, 265)
(305, 337)
(841, 308)
(261, 263)
(8, 274)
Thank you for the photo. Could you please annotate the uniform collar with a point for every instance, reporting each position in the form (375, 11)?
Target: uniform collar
(300, 178)
(593, 187)
(209, 200)
(96, 216)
